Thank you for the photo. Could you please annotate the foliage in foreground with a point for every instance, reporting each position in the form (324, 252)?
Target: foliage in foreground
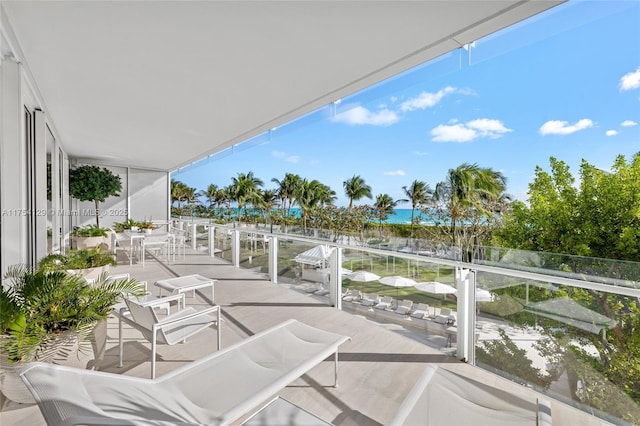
(38, 307)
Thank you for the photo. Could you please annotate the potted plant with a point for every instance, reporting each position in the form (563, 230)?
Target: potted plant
(87, 263)
(124, 226)
(146, 226)
(90, 236)
(45, 313)
(93, 183)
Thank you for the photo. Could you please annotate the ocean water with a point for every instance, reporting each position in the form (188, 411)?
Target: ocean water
(399, 216)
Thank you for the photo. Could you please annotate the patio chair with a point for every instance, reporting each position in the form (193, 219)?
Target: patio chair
(369, 299)
(385, 303)
(121, 242)
(159, 244)
(421, 311)
(174, 328)
(404, 307)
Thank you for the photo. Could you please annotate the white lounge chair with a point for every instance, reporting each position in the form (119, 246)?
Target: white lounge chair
(384, 303)
(404, 307)
(445, 317)
(172, 329)
(354, 296)
(421, 311)
(215, 390)
(369, 299)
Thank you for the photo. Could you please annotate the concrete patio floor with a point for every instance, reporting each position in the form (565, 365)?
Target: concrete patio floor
(377, 368)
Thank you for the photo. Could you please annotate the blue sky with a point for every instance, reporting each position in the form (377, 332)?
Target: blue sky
(564, 84)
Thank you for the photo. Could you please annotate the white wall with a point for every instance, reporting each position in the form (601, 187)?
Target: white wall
(143, 196)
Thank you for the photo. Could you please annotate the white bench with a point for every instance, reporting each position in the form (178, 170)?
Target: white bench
(215, 390)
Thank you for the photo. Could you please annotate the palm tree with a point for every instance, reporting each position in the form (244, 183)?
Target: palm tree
(286, 188)
(356, 188)
(418, 193)
(210, 194)
(311, 194)
(469, 186)
(178, 191)
(384, 206)
(243, 188)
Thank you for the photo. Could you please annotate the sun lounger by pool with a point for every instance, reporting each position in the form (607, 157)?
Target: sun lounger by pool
(215, 390)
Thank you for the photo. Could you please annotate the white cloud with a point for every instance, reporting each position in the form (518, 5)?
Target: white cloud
(398, 172)
(628, 123)
(426, 99)
(630, 80)
(466, 132)
(557, 127)
(611, 132)
(488, 128)
(360, 115)
(420, 153)
(454, 133)
(285, 156)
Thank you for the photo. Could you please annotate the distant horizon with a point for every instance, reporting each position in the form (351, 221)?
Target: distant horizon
(564, 84)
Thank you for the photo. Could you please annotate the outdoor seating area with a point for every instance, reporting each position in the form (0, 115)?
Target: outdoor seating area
(248, 306)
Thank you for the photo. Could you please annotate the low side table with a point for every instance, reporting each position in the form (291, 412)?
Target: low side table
(187, 283)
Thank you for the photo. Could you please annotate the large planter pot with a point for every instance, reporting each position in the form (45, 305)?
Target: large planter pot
(74, 354)
(90, 273)
(91, 242)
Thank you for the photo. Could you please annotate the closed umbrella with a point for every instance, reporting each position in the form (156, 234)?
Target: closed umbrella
(397, 281)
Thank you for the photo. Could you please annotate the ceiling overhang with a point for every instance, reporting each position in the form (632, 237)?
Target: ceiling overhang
(160, 84)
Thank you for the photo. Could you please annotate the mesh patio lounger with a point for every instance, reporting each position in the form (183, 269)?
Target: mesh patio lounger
(215, 390)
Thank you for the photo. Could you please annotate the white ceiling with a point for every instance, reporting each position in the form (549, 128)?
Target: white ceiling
(160, 84)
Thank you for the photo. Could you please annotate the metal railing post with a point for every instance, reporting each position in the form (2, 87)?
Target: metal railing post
(273, 259)
(212, 240)
(235, 248)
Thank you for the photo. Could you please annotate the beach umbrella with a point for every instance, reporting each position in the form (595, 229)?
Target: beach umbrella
(362, 276)
(397, 281)
(435, 287)
(483, 295)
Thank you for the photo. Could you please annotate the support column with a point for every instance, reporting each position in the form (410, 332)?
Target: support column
(273, 259)
(235, 248)
(212, 240)
(335, 278)
(466, 318)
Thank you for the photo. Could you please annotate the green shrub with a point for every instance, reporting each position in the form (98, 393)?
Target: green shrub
(77, 259)
(89, 231)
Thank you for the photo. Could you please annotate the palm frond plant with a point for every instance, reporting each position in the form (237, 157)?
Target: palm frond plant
(77, 259)
(39, 308)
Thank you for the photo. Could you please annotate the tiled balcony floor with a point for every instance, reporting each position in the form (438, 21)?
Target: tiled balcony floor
(377, 368)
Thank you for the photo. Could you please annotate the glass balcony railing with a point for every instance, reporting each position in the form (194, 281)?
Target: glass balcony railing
(563, 325)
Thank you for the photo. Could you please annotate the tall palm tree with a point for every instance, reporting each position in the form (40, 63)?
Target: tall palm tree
(209, 194)
(469, 186)
(356, 188)
(384, 206)
(310, 194)
(244, 188)
(419, 193)
(286, 188)
(178, 191)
